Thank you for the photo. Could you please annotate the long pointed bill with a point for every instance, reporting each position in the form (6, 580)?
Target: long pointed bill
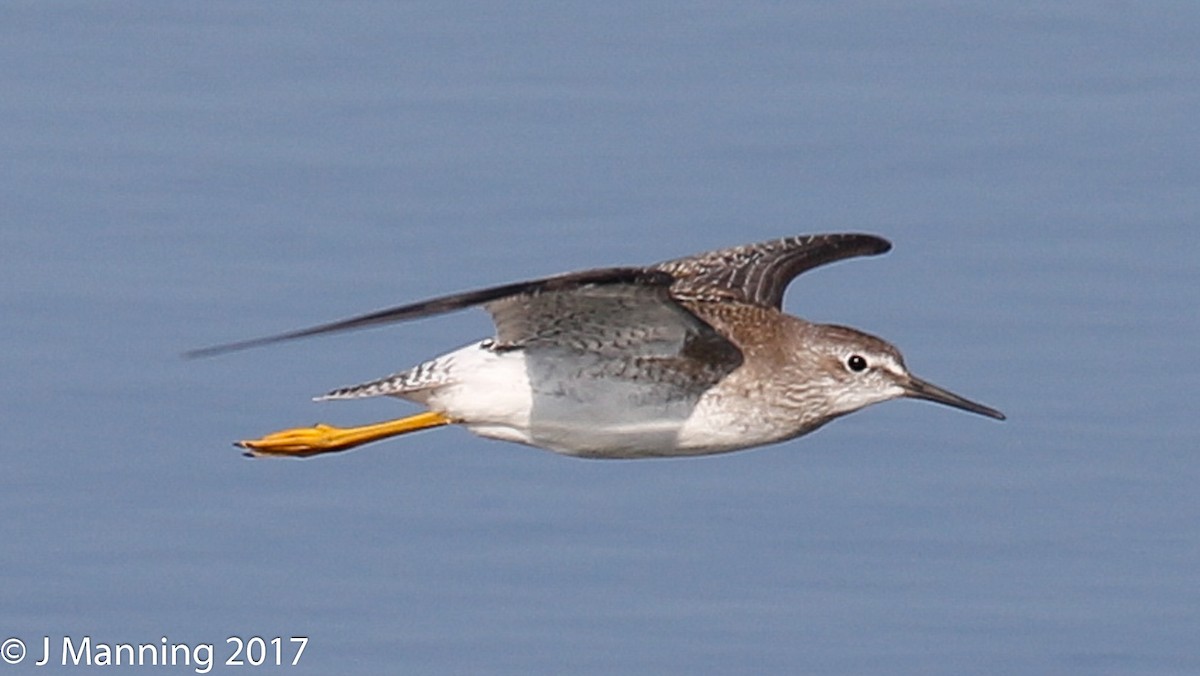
(920, 389)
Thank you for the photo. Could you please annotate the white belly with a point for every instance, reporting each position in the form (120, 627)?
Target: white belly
(545, 401)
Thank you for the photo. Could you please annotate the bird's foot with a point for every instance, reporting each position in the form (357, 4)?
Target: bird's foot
(303, 442)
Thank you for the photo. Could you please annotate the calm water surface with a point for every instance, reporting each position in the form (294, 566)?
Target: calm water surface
(180, 175)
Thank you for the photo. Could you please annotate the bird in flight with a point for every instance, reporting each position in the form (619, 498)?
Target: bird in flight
(692, 356)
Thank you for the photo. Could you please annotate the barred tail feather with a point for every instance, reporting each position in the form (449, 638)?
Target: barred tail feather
(423, 377)
(394, 384)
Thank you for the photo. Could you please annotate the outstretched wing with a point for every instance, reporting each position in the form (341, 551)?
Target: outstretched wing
(758, 274)
(610, 319)
(443, 304)
(624, 331)
(621, 303)
(636, 328)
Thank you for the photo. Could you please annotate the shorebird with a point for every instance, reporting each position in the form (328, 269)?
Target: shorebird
(691, 356)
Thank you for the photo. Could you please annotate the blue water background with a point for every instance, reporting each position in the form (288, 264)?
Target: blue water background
(181, 174)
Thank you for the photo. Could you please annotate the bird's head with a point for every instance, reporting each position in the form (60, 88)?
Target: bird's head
(858, 369)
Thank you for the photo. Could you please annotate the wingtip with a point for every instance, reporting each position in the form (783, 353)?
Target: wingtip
(200, 353)
(878, 245)
(225, 348)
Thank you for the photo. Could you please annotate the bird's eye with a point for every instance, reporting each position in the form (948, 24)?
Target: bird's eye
(856, 363)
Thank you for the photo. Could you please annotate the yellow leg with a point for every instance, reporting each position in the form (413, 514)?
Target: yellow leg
(307, 441)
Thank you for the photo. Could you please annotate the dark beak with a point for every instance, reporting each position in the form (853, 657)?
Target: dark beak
(919, 389)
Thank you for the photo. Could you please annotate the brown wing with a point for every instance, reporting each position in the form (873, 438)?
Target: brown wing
(631, 332)
(758, 274)
(553, 306)
(628, 319)
(443, 304)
